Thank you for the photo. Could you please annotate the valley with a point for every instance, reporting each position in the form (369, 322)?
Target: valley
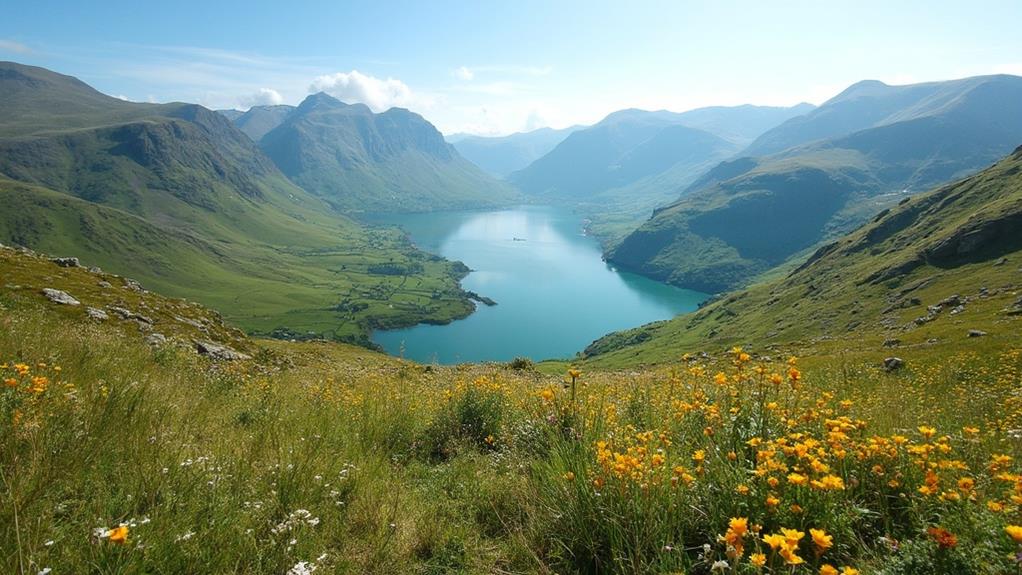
(668, 291)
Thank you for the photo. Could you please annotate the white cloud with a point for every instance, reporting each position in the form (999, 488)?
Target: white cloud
(262, 97)
(374, 92)
(12, 46)
(463, 73)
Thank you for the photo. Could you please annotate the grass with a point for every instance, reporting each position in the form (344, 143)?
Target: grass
(354, 462)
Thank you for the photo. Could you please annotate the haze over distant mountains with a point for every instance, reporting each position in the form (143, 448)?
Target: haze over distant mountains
(822, 174)
(502, 155)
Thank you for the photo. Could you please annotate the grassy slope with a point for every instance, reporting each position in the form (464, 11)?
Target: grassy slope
(326, 287)
(474, 469)
(859, 290)
(176, 197)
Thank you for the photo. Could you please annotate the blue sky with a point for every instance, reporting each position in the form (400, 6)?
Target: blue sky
(497, 67)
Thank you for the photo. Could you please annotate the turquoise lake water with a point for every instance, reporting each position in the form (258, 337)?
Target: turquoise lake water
(554, 293)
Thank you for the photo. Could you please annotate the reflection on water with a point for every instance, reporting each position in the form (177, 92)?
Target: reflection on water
(555, 294)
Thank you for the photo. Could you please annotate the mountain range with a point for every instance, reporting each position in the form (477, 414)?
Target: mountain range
(618, 170)
(359, 161)
(822, 174)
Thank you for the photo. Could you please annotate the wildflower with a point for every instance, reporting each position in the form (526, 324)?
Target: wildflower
(719, 565)
(118, 534)
(821, 539)
(772, 501)
(569, 476)
(794, 375)
(11, 382)
(797, 479)
(1015, 532)
(826, 569)
(739, 525)
(699, 456)
(832, 482)
(574, 374)
(774, 540)
(757, 559)
(547, 395)
(742, 489)
(489, 440)
(944, 538)
(846, 570)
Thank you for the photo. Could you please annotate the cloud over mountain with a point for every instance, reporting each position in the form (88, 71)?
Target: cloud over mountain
(354, 86)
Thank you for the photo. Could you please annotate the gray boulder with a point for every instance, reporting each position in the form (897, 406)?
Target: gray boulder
(219, 352)
(66, 262)
(61, 297)
(96, 314)
(893, 363)
(156, 339)
(977, 333)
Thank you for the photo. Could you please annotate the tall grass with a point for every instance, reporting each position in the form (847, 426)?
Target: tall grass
(320, 457)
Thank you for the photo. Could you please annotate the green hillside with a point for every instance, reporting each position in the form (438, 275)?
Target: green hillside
(884, 282)
(359, 161)
(723, 231)
(179, 199)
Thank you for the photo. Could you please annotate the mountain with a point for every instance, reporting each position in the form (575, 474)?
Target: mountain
(179, 198)
(741, 124)
(500, 156)
(986, 102)
(359, 161)
(724, 230)
(922, 272)
(627, 146)
(230, 114)
(260, 120)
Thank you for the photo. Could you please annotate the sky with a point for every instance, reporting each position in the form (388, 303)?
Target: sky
(495, 67)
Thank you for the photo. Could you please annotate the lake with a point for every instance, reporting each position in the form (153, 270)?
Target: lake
(554, 293)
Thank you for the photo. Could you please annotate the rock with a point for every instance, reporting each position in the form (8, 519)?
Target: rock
(893, 363)
(219, 352)
(1001, 262)
(104, 284)
(156, 339)
(96, 314)
(133, 285)
(95, 270)
(892, 342)
(66, 262)
(958, 309)
(977, 333)
(950, 301)
(61, 297)
(191, 322)
(128, 314)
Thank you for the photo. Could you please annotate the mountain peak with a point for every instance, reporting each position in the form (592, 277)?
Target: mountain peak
(320, 100)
